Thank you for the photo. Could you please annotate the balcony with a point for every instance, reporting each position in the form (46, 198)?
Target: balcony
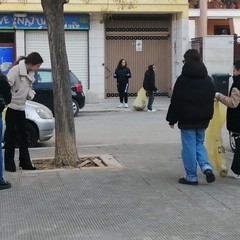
(217, 4)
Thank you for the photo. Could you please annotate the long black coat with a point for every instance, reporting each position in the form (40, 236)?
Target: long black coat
(192, 98)
(149, 81)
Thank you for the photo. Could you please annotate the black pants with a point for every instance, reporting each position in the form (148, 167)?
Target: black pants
(16, 132)
(123, 92)
(236, 158)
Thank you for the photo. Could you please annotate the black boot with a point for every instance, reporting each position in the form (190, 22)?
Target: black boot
(26, 166)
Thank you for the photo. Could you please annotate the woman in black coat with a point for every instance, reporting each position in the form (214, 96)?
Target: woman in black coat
(122, 74)
(149, 86)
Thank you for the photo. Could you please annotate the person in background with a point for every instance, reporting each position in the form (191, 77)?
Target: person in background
(122, 74)
(233, 116)
(20, 78)
(192, 106)
(149, 86)
(5, 94)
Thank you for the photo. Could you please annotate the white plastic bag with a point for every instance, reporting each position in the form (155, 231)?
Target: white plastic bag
(140, 101)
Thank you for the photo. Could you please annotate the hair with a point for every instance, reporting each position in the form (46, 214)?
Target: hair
(150, 67)
(120, 63)
(33, 58)
(236, 64)
(192, 55)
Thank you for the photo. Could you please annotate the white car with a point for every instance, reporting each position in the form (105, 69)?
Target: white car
(40, 123)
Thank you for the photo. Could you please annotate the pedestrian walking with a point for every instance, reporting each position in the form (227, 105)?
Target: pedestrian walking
(21, 78)
(122, 74)
(149, 86)
(233, 116)
(5, 98)
(191, 107)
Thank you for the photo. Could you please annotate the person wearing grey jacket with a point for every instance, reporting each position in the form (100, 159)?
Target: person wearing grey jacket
(20, 77)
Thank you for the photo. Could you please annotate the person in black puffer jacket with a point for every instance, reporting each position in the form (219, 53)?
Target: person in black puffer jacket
(149, 86)
(5, 93)
(233, 116)
(122, 74)
(191, 107)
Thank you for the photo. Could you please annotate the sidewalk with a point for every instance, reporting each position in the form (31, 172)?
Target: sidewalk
(110, 104)
(141, 200)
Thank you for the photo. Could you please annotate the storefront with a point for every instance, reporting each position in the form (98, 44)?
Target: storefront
(29, 34)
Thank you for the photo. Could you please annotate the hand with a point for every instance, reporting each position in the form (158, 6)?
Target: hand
(216, 95)
(31, 94)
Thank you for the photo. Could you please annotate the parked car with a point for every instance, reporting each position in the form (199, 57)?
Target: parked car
(43, 86)
(40, 123)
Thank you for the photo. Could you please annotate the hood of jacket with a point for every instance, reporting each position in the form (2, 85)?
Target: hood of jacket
(194, 70)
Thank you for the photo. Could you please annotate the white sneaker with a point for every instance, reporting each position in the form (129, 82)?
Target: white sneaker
(234, 175)
(153, 110)
(126, 105)
(120, 105)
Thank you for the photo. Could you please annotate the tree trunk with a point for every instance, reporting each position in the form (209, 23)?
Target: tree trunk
(65, 142)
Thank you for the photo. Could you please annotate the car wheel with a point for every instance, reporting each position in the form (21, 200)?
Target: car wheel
(232, 141)
(32, 134)
(75, 107)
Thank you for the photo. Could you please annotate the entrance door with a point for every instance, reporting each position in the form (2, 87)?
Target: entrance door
(141, 41)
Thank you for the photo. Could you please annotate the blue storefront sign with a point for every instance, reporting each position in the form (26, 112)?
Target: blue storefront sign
(37, 21)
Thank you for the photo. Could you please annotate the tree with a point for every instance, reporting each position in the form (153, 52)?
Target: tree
(65, 141)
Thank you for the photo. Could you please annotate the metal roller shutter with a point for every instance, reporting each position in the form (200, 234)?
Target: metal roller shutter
(77, 51)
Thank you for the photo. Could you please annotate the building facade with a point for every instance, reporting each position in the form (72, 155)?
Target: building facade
(98, 33)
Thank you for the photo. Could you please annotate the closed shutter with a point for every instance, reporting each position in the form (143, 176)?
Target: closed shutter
(77, 51)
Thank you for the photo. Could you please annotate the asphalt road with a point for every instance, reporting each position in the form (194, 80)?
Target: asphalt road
(125, 127)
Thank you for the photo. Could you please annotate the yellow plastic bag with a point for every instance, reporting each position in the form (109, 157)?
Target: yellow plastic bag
(213, 139)
(140, 101)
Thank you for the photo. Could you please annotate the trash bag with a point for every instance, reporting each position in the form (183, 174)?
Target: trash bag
(213, 139)
(140, 101)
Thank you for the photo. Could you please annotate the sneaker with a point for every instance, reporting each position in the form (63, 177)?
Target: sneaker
(126, 105)
(153, 110)
(210, 177)
(234, 175)
(5, 185)
(120, 105)
(185, 181)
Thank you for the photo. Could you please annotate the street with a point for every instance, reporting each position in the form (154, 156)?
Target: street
(125, 127)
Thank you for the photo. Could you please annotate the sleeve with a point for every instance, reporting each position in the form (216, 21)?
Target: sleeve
(232, 101)
(11, 77)
(129, 75)
(115, 75)
(172, 114)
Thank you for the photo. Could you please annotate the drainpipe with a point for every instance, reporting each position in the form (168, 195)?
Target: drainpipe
(202, 26)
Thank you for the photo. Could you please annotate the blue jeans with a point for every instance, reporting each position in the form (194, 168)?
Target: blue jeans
(150, 99)
(1, 156)
(194, 152)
